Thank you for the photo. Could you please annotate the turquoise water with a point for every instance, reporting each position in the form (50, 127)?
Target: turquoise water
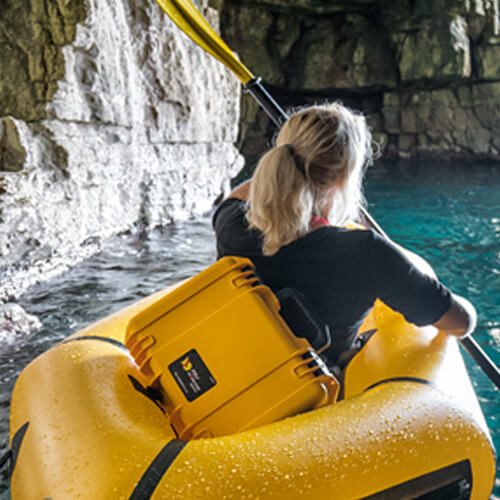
(450, 215)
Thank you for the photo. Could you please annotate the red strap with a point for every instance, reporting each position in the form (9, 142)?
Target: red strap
(317, 221)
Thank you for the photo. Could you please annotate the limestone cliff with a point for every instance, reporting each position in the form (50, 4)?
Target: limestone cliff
(427, 72)
(109, 116)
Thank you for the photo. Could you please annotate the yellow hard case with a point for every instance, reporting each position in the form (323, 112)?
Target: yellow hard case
(222, 356)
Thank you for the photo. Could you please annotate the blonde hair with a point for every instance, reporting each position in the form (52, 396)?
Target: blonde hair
(319, 157)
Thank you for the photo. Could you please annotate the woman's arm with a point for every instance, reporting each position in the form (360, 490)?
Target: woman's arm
(406, 283)
(460, 319)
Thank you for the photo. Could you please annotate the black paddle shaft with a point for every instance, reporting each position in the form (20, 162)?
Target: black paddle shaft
(482, 359)
(275, 112)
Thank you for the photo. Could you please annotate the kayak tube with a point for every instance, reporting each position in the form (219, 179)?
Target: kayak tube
(85, 424)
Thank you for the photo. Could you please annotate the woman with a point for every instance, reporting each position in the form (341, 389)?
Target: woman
(289, 221)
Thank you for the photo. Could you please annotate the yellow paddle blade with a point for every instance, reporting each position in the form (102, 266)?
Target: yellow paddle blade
(189, 19)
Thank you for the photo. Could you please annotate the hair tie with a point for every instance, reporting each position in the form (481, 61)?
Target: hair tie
(298, 162)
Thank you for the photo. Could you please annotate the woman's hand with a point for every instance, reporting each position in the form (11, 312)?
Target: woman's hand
(460, 319)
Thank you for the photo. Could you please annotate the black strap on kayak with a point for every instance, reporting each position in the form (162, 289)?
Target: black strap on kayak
(5, 458)
(151, 393)
(157, 469)
(16, 445)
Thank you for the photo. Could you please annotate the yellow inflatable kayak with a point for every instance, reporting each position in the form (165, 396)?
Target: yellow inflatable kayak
(85, 422)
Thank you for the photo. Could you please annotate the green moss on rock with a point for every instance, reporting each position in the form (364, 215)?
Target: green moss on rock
(32, 34)
(253, 41)
(12, 152)
(422, 64)
(489, 61)
(438, 50)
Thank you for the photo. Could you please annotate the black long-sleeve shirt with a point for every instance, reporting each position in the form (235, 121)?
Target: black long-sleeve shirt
(340, 271)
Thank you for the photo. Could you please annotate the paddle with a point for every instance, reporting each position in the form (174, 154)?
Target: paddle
(189, 19)
(482, 359)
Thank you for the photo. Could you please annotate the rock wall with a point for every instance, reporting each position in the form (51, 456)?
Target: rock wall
(109, 117)
(427, 72)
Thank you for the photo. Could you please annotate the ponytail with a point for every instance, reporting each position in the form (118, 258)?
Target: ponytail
(281, 201)
(317, 166)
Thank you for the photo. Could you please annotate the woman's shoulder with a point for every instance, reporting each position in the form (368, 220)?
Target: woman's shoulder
(332, 241)
(334, 234)
(233, 235)
(230, 209)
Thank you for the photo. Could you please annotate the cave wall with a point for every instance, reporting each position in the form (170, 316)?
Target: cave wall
(109, 117)
(426, 72)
